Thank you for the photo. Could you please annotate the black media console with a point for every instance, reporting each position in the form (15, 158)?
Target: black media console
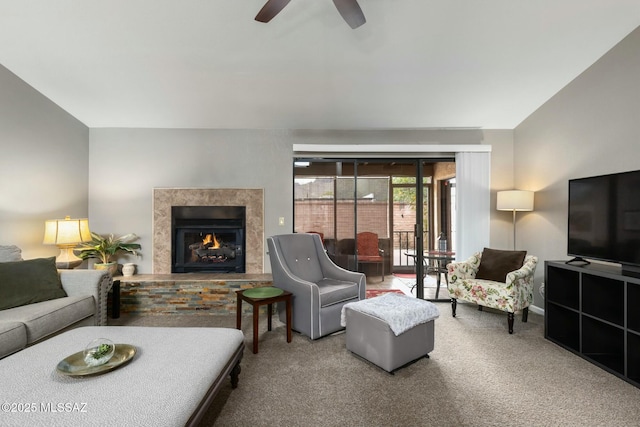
(594, 311)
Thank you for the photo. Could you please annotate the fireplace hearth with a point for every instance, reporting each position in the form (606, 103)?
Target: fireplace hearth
(208, 239)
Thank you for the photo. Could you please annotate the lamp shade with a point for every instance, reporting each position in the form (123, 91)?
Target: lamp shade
(515, 200)
(66, 231)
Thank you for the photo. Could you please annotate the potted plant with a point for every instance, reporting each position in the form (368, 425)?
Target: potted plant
(105, 249)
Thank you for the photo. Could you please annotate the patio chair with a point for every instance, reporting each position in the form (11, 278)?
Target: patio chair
(368, 250)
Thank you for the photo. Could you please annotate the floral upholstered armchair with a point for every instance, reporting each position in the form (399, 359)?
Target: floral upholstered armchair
(503, 282)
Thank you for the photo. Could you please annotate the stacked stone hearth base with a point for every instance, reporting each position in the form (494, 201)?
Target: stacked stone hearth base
(191, 293)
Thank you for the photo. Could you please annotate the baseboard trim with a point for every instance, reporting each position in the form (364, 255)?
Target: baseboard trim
(536, 310)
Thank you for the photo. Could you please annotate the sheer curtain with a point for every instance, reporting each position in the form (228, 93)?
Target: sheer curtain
(473, 180)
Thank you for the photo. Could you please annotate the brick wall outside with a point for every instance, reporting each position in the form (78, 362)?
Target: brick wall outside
(317, 215)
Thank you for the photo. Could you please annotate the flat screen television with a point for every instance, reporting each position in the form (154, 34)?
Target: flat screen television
(604, 219)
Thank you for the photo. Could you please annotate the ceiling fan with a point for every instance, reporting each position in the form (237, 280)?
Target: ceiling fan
(349, 9)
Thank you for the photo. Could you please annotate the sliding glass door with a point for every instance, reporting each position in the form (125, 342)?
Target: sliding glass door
(378, 216)
(324, 203)
(373, 210)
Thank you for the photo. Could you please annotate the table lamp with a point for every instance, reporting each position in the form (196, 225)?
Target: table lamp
(66, 234)
(515, 200)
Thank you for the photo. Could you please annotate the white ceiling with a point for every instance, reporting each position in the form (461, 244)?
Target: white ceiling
(208, 64)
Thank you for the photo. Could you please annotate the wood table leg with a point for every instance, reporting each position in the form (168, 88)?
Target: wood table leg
(438, 279)
(256, 312)
(115, 299)
(239, 312)
(269, 310)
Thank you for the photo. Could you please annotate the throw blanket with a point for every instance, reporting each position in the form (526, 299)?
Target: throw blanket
(400, 312)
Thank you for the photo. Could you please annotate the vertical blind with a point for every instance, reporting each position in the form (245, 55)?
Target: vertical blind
(473, 180)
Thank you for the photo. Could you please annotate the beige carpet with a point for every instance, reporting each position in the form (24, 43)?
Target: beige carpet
(477, 375)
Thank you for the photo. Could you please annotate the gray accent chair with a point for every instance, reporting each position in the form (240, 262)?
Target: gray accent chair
(320, 288)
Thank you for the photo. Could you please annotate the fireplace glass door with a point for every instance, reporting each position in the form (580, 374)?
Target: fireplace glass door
(208, 239)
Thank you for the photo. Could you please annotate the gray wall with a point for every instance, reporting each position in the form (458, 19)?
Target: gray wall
(44, 168)
(126, 164)
(590, 127)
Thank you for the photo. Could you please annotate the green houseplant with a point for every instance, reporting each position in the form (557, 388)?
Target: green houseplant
(106, 248)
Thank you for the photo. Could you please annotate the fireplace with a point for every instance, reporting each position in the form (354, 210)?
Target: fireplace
(208, 239)
(164, 199)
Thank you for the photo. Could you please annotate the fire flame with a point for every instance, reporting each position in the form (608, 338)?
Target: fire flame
(211, 238)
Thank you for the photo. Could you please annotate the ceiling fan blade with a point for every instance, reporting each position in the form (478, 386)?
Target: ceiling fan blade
(351, 12)
(270, 9)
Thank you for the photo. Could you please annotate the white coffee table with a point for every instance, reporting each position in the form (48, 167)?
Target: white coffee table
(171, 380)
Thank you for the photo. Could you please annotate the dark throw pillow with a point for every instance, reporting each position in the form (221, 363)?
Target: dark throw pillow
(496, 264)
(26, 282)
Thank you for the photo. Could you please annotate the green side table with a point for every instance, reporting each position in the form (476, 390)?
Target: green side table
(262, 296)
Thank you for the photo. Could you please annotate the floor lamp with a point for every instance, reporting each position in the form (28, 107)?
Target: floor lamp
(515, 200)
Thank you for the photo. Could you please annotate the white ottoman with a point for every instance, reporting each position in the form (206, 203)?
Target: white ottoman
(171, 380)
(391, 330)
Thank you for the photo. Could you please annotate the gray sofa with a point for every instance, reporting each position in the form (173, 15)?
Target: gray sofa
(85, 304)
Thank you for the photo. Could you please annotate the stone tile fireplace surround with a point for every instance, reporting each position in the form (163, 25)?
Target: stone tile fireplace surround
(196, 293)
(165, 198)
